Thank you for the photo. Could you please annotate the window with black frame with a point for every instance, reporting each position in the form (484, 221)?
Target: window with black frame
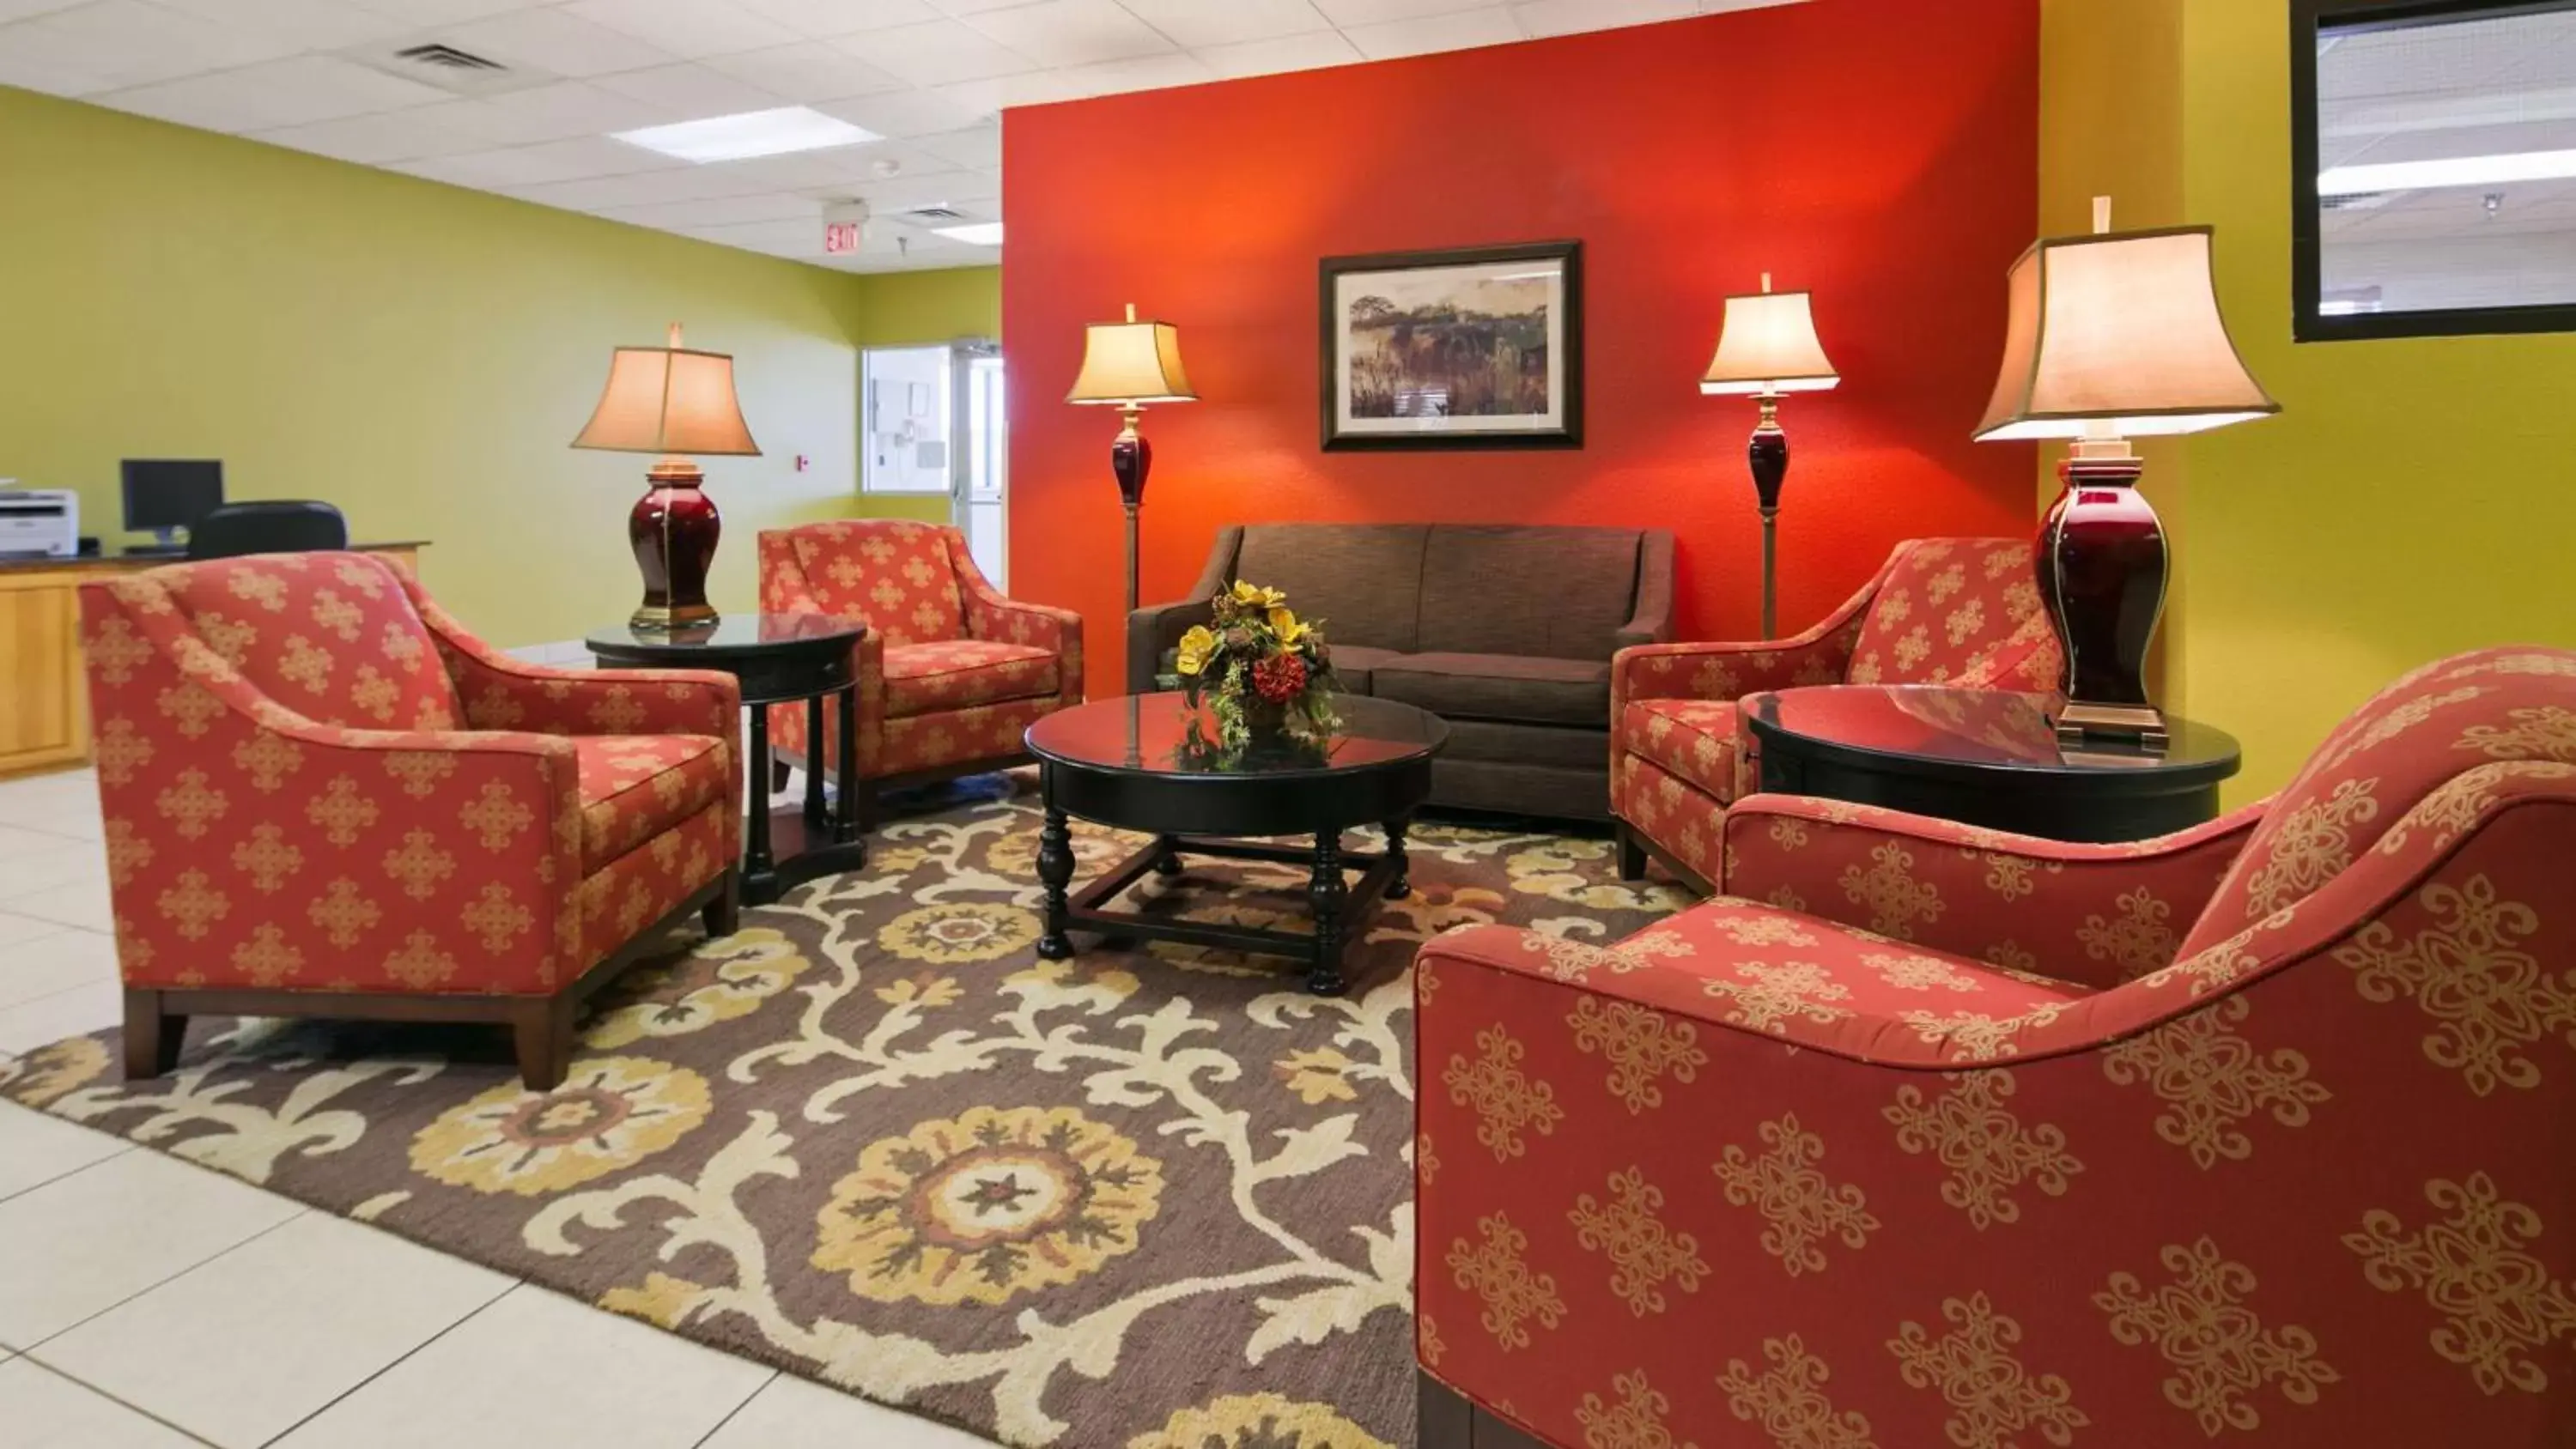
(2435, 167)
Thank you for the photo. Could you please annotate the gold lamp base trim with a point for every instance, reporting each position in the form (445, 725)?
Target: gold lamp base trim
(2081, 723)
(659, 619)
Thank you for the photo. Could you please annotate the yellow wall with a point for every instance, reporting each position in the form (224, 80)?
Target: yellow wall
(2413, 498)
(416, 353)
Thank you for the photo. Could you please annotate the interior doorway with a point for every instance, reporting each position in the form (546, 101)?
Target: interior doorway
(936, 425)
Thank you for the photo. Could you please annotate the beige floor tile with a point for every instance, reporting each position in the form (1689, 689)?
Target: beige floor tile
(84, 1243)
(15, 928)
(20, 845)
(36, 1149)
(77, 1012)
(40, 1409)
(55, 962)
(81, 901)
(538, 1371)
(794, 1413)
(55, 804)
(240, 1349)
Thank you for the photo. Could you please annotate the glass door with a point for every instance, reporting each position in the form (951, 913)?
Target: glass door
(980, 486)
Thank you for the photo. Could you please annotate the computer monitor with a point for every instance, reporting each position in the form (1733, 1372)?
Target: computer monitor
(165, 495)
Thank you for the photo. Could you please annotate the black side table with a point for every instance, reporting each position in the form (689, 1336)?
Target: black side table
(779, 658)
(1983, 757)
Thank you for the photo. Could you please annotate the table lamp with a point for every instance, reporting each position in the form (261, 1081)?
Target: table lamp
(1766, 349)
(671, 401)
(2113, 336)
(1127, 365)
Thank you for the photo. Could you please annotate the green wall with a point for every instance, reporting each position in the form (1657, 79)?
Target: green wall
(416, 353)
(2406, 504)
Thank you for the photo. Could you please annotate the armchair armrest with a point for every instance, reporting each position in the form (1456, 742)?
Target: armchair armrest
(2095, 915)
(502, 693)
(992, 615)
(1821, 655)
(1652, 621)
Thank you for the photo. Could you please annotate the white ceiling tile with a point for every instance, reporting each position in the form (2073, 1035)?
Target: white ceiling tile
(556, 41)
(689, 28)
(821, 19)
(1567, 17)
(584, 158)
(373, 140)
(1072, 32)
(288, 92)
(687, 92)
(972, 146)
(772, 206)
(939, 52)
(444, 12)
(1199, 23)
(905, 193)
(1460, 31)
(908, 113)
(308, 24)
(975, 7)
(1347, 13)
(684, 183)
(547, 113)
(111, 44)
(1145, 73)
(1288, 52)
(806, 72)
(22, 9)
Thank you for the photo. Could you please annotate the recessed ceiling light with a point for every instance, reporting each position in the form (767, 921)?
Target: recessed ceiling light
(2452, 171)
(751, 133)
(973, 233)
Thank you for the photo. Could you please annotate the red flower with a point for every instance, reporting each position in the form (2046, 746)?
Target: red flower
(1279, 678)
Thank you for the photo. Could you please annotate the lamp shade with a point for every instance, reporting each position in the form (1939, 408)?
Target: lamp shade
(669, 400)
(2119, 329)
(1131, 363)
(1768, 345)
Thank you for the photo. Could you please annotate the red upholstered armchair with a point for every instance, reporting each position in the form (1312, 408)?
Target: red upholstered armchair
(951, 674)
(2259, 1130)
(1958, 611)
(323, 797)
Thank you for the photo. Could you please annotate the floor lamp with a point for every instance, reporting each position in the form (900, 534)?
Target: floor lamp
(1768, 348)
(1126, 365)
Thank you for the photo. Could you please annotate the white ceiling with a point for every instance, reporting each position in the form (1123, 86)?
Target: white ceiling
(931, 76)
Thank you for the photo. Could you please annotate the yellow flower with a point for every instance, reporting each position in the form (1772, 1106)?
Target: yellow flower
(924, 987)
(1320, 1075)
(1196, 646)
(1288, 627)
(1256, 595)
(609, 1114)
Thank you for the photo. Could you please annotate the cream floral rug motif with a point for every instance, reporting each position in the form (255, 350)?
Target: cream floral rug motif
(1145, 1199)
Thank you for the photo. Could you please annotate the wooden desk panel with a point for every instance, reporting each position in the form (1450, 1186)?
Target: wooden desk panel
(44, 702)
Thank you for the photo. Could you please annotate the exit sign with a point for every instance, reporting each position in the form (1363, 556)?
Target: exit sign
(841, 238)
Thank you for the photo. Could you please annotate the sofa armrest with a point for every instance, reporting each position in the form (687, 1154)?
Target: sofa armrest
(1651, 622)
(2096, 915)
(1157, 627)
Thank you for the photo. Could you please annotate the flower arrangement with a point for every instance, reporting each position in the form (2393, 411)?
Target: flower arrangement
(1260, 668)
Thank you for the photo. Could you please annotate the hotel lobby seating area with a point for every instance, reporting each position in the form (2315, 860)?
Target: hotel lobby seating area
(1286, 724)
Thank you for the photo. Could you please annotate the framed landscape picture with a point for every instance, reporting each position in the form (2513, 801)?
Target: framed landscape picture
(1478, 347)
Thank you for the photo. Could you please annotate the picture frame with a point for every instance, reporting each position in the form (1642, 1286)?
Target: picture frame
(1461, 348)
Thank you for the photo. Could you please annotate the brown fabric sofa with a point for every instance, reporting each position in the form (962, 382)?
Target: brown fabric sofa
(1505, 632)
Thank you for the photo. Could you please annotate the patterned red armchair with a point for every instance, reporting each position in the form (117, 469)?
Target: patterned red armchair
(951, 674)
(1956, 611)
(1963, 1139)
(324, 797)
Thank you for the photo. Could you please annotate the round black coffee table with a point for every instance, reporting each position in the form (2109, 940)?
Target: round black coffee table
(779, 658)
(1983, 757)
(1136, 763)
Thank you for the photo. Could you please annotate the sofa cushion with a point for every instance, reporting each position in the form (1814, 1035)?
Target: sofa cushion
(1356, 666)
(1560, 747)
(331, 636)
(962, 673)
(1695, 739)
(1363, 581)
(1527, 688)
(1559, 592)
(635, 787)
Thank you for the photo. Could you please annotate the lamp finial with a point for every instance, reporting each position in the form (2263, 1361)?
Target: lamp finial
(1766, 281)
(1131, 311)
(2101, 215)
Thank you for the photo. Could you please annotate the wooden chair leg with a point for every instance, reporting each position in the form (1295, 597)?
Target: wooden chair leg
(542, 1032)
(723, 915)
(1632, 853)
(152, 1036)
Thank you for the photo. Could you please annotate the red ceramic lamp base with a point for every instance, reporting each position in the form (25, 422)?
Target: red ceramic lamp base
(674, 528)
(2102, 571)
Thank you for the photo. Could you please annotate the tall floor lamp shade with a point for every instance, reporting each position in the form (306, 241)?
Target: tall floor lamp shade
(672, 401)
(1766, 349)
(2113, 336)
(1127, 365)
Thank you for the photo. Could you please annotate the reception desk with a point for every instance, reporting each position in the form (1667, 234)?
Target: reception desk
(44, 704)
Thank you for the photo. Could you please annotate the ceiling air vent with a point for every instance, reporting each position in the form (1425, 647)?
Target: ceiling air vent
(2354, 201)
(934, 215)
(446, 57)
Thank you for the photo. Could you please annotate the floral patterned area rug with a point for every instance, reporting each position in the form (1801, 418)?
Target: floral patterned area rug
(1150, 1198)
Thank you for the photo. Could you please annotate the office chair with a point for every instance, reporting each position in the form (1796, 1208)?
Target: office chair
(278, 527)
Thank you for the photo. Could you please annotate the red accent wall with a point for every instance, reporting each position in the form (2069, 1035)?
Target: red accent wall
(1881, 153)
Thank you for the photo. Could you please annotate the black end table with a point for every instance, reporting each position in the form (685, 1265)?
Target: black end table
(779, 658)
(1135, 763)
(1983, 757)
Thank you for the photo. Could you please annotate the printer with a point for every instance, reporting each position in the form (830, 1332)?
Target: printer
(38, 522)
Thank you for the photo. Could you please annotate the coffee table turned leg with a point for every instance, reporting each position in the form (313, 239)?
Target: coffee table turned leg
(1327, 892)
(1055, 868)
(759, 870)
(1401, 885)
